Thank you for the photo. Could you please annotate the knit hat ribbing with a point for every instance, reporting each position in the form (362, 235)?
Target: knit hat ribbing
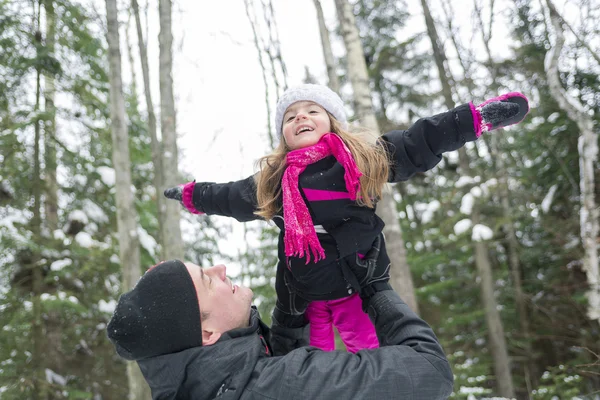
(320, 94)
(160, 315)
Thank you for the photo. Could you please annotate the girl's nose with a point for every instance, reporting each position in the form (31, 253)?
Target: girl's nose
(300, 116)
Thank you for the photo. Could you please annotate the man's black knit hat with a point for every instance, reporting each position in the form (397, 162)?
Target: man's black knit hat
(160, 315)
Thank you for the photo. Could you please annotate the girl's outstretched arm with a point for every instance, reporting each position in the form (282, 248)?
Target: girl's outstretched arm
(420, 147)
(233, 199)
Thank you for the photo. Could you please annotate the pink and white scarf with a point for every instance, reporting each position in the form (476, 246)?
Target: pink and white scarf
(300, 238)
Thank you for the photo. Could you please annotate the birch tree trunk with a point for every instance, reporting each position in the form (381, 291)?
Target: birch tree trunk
(53, 349)
(155, 145)
(131, 60)
(401, 278)
(51, 192)
(334, 82)
(129, 245)
(504, 382)
(171, 232)
(37, 329)
(588, 154)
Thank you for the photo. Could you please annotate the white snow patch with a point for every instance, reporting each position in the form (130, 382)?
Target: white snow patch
(107, 175)
(112, 283)
(80, 180)
(410, 214)
(114, 259)
(58, 234)
(94, 211)
(54, 378)
(547, 202)
(431, 208)
(84, 239)
(60, 264)
(107, 306)
(14, 216)
(78, 215)
(476, 191)
(464, 181)
(440, 180)
(481, 233)
(462, 226)
(553, 117)
(466, 204)
(5, 186)
(147, 241)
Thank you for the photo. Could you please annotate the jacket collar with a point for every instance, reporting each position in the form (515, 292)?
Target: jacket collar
(205, 371)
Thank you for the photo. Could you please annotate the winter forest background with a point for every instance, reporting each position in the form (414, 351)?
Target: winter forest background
(104, 104)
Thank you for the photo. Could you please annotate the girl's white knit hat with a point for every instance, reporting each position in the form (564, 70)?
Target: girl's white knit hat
(320, 94)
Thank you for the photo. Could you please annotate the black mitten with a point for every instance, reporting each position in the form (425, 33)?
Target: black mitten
(174, 193)
(183, 194)
(501, 111)
(496, 112)
(289, 335)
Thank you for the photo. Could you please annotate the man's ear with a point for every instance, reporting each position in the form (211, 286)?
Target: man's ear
(209, 337)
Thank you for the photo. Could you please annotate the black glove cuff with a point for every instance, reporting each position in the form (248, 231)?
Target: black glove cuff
(367, 292)
(284, 319)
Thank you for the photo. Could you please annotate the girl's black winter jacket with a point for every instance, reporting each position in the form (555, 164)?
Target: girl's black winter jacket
(349, 228)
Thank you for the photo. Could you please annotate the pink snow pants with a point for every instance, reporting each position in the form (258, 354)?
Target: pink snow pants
(346, 314)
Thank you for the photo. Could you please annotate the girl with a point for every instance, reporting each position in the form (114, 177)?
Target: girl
(320, 186)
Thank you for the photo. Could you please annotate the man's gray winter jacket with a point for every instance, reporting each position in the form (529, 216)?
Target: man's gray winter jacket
(410, 364)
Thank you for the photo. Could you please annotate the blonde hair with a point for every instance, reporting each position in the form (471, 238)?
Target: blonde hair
(371, 160)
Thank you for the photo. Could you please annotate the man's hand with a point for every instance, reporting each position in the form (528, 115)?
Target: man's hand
(372, 272)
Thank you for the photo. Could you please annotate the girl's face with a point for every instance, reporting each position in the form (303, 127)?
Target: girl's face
(304, 123)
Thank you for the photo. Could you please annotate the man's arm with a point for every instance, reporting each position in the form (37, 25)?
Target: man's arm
(410, 363)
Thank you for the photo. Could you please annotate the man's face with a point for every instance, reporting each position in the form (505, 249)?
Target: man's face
(226, 306)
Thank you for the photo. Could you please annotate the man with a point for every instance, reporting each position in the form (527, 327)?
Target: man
(195, 336)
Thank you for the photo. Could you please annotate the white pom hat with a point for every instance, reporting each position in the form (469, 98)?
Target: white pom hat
(319, 94)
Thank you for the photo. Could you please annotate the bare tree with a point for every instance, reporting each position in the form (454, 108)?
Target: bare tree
(129, 244)
(53, 348)
(253, 24)
(273, 47)
(171, 231)
(512, 242)
(37, 329)
(496, 332)
(51, 192)
(131, 60)
(155, 144)
(270, 49)
(334, 82)
(357, 71)
(588, 154)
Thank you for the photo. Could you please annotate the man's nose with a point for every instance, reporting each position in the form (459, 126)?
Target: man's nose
(220, 271)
